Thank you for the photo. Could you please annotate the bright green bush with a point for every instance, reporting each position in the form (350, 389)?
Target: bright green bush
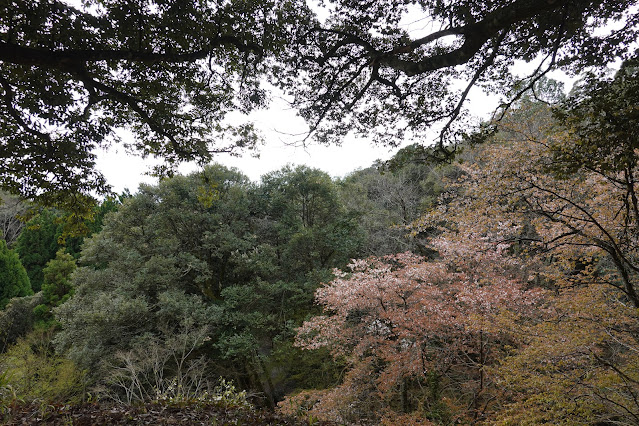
(14, 281)
(56, 287)
(31, 371)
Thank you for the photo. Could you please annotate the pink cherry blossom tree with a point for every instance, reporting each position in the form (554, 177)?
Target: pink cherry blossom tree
(424, 333)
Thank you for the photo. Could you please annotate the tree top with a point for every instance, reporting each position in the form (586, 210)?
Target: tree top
(171, 71)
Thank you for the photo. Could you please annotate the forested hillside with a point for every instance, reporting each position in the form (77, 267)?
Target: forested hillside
(488, 276)
(498, 289)
(201, 278)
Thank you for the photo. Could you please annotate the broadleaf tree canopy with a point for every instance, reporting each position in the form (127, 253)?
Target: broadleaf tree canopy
(170, 71)
(362, 72)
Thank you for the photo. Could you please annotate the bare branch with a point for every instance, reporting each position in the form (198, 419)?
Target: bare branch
(480, 71)
(535, 76)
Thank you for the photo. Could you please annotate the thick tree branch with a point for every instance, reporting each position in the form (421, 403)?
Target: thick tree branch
(134, 104)
(475, 36)
(63, 59)
(347, 40)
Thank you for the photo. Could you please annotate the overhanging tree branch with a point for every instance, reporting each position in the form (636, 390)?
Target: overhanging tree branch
(475, 36)
(480, 71)
(63, 59)
(15, 114)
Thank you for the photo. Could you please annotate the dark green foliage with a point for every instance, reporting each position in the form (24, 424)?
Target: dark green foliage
(208, 252)
(14, 281)
(302, 369)
(38, 243)
(92, 224)
(72, 74)
(57, 287)
(305, 221)
(17, 319)
(601, 116)
(160, 264)
(46, 233)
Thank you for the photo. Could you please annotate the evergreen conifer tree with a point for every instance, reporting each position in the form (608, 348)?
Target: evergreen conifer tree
(14, 281)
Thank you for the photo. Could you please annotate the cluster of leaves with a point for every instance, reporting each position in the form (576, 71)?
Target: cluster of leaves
(210, 271)
(17, 319)
(528, 312)
(57, 287)
(410, 328)
(48, 231)
(29, 366)
(42, 250)
(14, 281)
(37, 244)
(564, 196)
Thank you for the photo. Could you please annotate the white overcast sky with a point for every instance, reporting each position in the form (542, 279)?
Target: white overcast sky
(125, 171)
(275, 124)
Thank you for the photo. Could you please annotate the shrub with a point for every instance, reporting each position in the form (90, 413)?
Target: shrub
(31, 371)
(17, 319)
(14, 281)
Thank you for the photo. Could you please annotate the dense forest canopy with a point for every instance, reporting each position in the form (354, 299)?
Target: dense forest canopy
(73, 73)
(500, 287)
(227, 268)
